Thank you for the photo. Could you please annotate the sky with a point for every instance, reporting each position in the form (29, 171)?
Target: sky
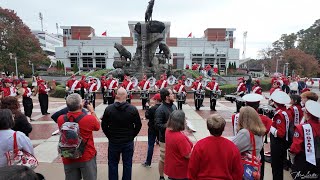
(264, 20)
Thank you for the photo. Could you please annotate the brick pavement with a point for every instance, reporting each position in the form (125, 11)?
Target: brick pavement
(45, 144)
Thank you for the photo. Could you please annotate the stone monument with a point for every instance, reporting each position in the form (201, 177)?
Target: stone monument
(150, 37)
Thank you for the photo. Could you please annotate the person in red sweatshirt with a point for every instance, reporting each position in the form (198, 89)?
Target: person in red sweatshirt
(279, 132)
(275, 86)
(162, 83)
(221, 162)
(43, 97)
(306, 141)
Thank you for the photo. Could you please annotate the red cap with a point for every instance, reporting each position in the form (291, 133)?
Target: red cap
(7, 80)
(157, 97)
(305, 90)
(200, 77)
(24, 82)
(257, 81)
(103, 77)
(213, 78)
(83, 77)
(41, 81)
(180, 81)
(277, 82)
(161, 76)
(183, 77)
(241, 78)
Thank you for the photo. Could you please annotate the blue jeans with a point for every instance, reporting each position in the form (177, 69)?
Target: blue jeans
(248, 87)
(114, 152)
(151, 140)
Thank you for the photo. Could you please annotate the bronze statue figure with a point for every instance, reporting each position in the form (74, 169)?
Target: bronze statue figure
(122, 51)
(148, 14)
(166, 51)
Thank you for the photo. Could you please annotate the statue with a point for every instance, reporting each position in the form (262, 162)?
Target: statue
(166, 51)
(148, 14)
(122, 51)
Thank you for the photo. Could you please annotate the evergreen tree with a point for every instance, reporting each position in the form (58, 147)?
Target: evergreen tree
(75, 68)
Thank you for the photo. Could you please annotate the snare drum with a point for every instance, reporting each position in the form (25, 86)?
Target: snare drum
(109, 93)
(181, 97)
(200, 94)
(266, 110)
(230, 97)
(128, 94)
(240, 102)
(144, 95)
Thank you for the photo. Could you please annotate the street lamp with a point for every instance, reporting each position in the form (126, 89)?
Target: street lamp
(15, 61)
(278, 63)
(287, 69)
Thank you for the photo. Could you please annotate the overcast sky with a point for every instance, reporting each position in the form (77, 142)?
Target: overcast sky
(265, 20)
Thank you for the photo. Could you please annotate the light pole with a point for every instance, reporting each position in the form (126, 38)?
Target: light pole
(278, 63)
(287, 69)
(15, 61)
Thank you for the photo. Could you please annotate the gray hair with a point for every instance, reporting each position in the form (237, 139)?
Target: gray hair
(177, 120)
(74, 102)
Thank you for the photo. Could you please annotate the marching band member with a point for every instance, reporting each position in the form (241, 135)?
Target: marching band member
(195, 66)
(279, 133)
(43, 96)
(162, 83)
(8, 89)
(305, 145)
(213, 87)
(27, 100)
(197, 87)
(83, 85)
(275, 86)
(183, 79)
(180, 90)
(256, 89)
(296, 109)
(241, 89)
(73, 85)
(128, 85)
(103, 88)
(304, 98)
(111, 85)
(92, 89)
(144, 86)
(253, 100)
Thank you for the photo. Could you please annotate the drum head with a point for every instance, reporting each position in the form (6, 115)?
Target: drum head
(134, 81)
(152, 81)
(188, 82)
(171, 80)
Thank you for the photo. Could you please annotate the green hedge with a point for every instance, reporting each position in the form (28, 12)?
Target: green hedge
(231, 88)
(59, 92)
(194, 74)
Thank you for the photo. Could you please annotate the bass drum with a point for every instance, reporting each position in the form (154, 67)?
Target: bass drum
(97, 80)
(152, 81)
(171, 80)
(135, 81)
(188, 82)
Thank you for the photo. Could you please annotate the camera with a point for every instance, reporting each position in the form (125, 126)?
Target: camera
(87, 100)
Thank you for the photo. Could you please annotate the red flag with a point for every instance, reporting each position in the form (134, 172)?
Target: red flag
(78, 35)
(190, 34)
(104, 33)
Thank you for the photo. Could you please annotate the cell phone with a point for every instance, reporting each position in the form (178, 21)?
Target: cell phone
(86, 102)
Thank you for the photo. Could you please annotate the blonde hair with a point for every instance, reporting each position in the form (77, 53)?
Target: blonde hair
(249, 119)
(216, 124)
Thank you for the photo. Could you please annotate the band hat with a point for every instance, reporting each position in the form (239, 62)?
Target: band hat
(24, 82)
(213, 78)
(8, 80)
(157, 97)
(280, 97)
(313, 108)
(240, 78)
(252, 97)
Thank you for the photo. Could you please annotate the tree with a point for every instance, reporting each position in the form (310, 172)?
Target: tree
(75, 68)
(229, 66)
(309, 40)
(16, 38)
(234, 66)
(285, 42)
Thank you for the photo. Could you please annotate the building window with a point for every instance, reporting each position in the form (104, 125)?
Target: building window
(73, 61)
(209, 61)
(101, 62)
(87, 62)
(197, 60)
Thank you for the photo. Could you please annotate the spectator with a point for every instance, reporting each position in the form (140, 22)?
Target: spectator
(84, 167)
(21, 122)
(221, 162)
(152, 133)
(249, 122)
(121, 123)
(248, 84)
(17, 172)
(178, 147)
(161, 117)
(6, 137)
(295, 109)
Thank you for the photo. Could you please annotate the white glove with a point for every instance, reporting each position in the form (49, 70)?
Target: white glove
(292, 156)
(273, 131)
(47, 90)
(29, 94)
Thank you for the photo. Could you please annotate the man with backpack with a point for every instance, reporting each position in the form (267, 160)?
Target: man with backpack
(76, 145)
(121, 123)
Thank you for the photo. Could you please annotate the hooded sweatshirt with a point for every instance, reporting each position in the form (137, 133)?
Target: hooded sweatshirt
(121, 122)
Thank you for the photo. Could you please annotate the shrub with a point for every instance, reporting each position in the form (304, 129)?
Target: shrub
(59, 92)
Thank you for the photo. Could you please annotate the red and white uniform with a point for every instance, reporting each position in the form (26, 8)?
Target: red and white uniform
(241, 88)
(196, 86)
(83, 82)
(235, 121)
(208, 67)
(43, 89)
(257, 90)
(111, 84)
(195, 67)
(280, 122)
(27, 92)
(92, 87)
(266, 121)
(296, 113)
(179, 88)
(73, 85)
(9, 91)
(274, 89)
(144, 85)
(161, 84)
(128, 85)
(213, 86)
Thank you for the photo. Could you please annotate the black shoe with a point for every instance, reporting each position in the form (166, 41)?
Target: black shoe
(162, 178)
(47, 113)
(32, 120)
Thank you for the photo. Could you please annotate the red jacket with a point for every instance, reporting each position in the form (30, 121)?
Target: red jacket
(279, 122)
(108, 83)
(257, 90)
(42, 89)
(177, 87)
(141, 84)
(159, 83)
(241, 88)
(70, 84)
(94, 86)
(299, 115)
(211, 85)
(195, 86)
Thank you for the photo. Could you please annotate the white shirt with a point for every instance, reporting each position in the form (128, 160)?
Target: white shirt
(6, 144)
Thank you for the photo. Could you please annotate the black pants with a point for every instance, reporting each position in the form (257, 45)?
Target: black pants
(82, 92)
(103, 98)
(43, 100)
(129, 101)
(27, 106)
(286, 89)
(213, 102)
(93, 100)
(110, 100)
(262, 163)
(278, 154)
